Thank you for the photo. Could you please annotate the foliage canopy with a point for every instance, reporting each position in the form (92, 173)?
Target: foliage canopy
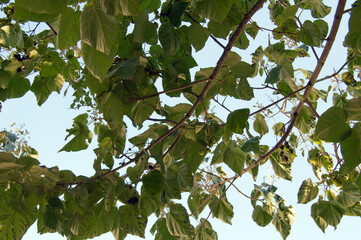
(125, 59)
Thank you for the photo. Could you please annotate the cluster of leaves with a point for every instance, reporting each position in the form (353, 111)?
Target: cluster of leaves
(121, 57)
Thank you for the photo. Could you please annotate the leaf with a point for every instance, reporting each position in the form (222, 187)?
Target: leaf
(353, 37)
(97, 62)
(38, 10)
(153, 182)
(97, 29)
(204, 231)
(280, 169)
(231, 154)
(144, 30)
(310, 34)
(251, 145)
(177, 221)
(216, 10)
(68, 29)
(307, 192)
(236, 120)
(261, 217)
(353, 109)
(318, 9)
(260, 125)
(197, 36)
(129, 7)
(244, 90)
(327, 213)
(125, 69)
(17, 87)
(9, 165)
(233, 59)
(351, 149)
(196, 203)
(176, 11)
(221, 209)
(169, 38)
(274, 75)
(350, 194)
(331, 126)
(16, 223)
(162, 230)
(82, 135)
(129, 220)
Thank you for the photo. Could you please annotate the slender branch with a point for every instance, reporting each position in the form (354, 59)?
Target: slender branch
(214, 39)
(161, 120)
(335, 147)
(220, 104)
(175, 143)
(255, 199)
(51, 27)
(313, 110)
(167, 91)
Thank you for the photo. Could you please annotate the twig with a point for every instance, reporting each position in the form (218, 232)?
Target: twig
(175, 143)
(214, 39)
(167, 91)
(220, 104)
(51, 27)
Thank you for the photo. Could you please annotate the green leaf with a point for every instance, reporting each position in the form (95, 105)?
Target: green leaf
(97, 62)
(310, 34)
(274, 75)
(221, 209)
(231, 154)
(131, 221)
(129, 7)
(15, 224)
(82, 135)
(216, 10)
(17, 87)
(318, 8)
(283, 220)
(169, 38)
(113, 109)
(251, 145)
(153, 182)
(68, 29)
(242, 70)
(97, 29)
(353, 109)
(196, 203)
(327, 213)
(197, 36)
(144, 30)
(162, 230)
(236, 120)
(350, 194)
(281, 170)
(260, 125)
(332, 126)
(244, 90)
(307, 192)
(261, 217)
(205, 231)
(351, 149)
(177, 221)
(353, 37)
(38, 10)
(125, 69)
(176, 11)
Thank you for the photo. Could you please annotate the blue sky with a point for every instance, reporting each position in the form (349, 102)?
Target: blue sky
(47, 125)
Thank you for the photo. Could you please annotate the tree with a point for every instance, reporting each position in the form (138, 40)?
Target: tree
(125, 59)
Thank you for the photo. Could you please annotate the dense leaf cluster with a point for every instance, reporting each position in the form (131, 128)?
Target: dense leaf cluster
(124, 59)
